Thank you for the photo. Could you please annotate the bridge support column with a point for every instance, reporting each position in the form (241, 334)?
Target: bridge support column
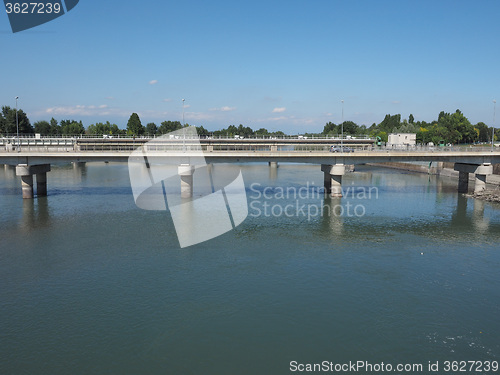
(273, 164)
(480, 172)
(327, 179)
(463, 182)
(41, 184)
(335, 172)
(27, 186)
(480, 181)
(186, 171)
(26, 173)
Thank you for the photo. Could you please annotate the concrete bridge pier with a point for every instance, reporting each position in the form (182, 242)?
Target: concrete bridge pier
(333, 178)
(480, 172)
(186, 171)
(463, 182)
(41, 184)
(26, 173)
(327, 179)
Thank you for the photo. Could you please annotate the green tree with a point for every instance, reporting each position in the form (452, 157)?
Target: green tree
(151, 129)
(232, 130)
(350, 128)
(134, 126)
(100, 128)
(8, 124)
(278, 133)
(42, 127)
(484, 132)
(72, 127)
(201, 131)
(169, 126)
(330, 129)
(411, 119)
(383, 136)
(262, 132)
(55, 129)
(390, 123)
(245, 131)
(462, 125)
(423, 136)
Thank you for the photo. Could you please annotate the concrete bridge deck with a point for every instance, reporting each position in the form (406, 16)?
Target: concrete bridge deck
(36, 162)
(312, 157)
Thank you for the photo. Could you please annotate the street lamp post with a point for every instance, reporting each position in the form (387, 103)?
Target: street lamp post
(342, 127)
(183, 112)
(493, 128)
(17, 126)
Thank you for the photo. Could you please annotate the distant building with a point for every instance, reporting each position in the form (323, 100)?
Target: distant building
(401, 140)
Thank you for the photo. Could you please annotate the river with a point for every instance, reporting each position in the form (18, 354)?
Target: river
(401, 270)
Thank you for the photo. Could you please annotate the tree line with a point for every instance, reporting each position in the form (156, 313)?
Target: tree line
(451, 128)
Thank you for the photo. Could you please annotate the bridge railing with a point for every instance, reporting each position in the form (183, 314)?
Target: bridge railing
(51, 144)
(149, 137)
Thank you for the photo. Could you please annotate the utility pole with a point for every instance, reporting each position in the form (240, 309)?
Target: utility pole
(342, 127)
(17, 126)
(493, 128)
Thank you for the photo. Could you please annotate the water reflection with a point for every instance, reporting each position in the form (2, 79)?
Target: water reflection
(36, 213)
(79, 171)
(462, 218)
(481, 223)
(273, 171)
(332, 215)
(9, 171)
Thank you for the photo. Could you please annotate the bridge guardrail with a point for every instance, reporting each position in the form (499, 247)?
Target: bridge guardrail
(71, 144)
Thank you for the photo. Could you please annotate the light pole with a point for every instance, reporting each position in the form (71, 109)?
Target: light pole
(17, 126)
(183, 112)
(493, 129)
(342, 127)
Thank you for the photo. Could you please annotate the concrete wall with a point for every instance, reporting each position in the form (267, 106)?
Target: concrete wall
(439, 168)
(420, 167)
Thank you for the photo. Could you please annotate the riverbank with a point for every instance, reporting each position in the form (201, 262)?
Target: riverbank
(440, 169)
(486, 195)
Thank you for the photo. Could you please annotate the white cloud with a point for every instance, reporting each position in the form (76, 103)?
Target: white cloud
(199, 116)
(85, 110)
(280, 118)
(279, 110)
(153, 82)
(223, 109)
(110, 98)
(167, 100)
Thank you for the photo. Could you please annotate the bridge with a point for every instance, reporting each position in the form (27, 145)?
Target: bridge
(35, 159)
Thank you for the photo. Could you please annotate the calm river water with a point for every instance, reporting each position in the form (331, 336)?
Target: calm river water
(91, 284)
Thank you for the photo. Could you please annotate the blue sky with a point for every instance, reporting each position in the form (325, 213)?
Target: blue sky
(282, 65)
